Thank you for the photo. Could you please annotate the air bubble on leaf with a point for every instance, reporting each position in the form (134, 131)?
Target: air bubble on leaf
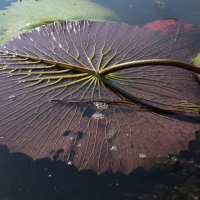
(70, 163)
(38, 29)
(113, 148)
(28, 24)
(111, 133)
(50, 176)
(12, 97)
(98, 116)
(142, 155)
(100, 105)
(174, 158)
(79, 145)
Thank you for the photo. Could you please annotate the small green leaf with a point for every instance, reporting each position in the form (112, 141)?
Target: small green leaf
(196, 60)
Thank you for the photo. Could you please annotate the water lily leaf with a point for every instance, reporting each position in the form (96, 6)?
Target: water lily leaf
(172, 27)
(22, 16)
(58, 100)
(182, 33)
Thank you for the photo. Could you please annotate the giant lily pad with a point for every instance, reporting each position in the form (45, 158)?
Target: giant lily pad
(22, 16)
(86, 93)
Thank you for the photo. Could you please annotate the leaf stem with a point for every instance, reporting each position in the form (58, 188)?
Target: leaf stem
(140, 63)
(111, 69)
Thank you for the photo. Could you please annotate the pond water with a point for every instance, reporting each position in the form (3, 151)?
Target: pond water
(4, 4)
(140, 12)
(21, 178)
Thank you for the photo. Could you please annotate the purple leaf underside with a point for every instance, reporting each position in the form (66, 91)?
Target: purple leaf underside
(42, 113)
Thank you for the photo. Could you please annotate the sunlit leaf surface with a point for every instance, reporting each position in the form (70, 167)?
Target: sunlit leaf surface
(116, 121)
(22, 16)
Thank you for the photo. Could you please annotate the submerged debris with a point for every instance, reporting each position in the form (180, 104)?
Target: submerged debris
(160, 4)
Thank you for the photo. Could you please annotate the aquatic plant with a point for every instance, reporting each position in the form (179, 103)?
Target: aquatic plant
(100, 95)
(22, 16)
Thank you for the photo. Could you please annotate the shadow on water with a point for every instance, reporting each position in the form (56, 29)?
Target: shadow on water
(176, 177)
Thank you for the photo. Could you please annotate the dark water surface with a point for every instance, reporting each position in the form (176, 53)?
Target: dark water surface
(142, 11)
(21, 178)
